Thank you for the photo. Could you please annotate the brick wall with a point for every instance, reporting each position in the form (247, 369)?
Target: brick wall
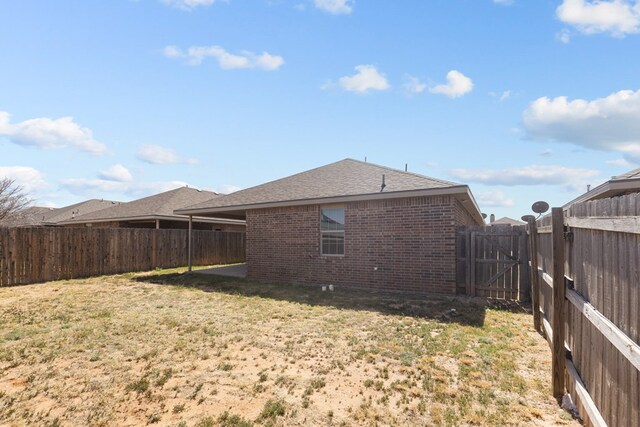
(402, 244)
(462, 216)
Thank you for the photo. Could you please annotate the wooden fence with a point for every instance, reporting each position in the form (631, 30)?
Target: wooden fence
(492, 262)
(586, 300)
(33, 255)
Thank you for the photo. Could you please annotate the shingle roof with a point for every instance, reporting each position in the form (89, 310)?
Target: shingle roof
(618, 185)
(69, 212)
(28, 217)
(634, 174)
(344, 178)
(162, 204)
(507, 221)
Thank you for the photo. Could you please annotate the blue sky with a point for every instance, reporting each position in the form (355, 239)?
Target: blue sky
(522, 100)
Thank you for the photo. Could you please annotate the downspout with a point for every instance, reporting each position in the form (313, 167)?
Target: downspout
(189, 241)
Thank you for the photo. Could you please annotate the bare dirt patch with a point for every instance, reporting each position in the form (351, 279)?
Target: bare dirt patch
(167, 348)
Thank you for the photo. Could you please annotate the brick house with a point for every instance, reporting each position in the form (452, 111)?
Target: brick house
(351, 223)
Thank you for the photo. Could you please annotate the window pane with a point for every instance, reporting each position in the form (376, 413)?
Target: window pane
(333, 243)
(332, 219)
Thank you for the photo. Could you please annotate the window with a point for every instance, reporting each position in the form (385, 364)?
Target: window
(332, 231)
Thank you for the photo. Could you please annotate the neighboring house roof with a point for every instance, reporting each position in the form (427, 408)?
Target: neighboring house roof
(55, 216)
(616, 186)
(159, 206)
(507, 221)
(346, 180)
(27, 217)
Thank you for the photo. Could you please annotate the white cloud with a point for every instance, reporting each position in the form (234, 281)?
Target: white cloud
(50, 133)
(619, 163)
(501, 97)
(172, 52)
(607, 124)
(617, 17)
(366, 78)
(414, 85)
(227, 61)
(29, 178)
(227, 189)
(457, 85)
(335, 7)
(494, 199)
(157, 155)
(564, 36)
(267, 61)
(505, 2)
(116, 173)
(188, 4)
(98, 187)
(527, 175)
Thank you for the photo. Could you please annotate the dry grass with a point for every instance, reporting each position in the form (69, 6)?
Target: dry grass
(170, 349)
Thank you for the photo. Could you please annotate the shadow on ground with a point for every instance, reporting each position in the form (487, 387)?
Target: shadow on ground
(462, 310)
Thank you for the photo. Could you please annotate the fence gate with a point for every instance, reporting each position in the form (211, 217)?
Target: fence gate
(493, 262)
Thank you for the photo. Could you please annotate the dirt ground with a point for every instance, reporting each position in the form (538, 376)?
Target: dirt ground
(167, 348)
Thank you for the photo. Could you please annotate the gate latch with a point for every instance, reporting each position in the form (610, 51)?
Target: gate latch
(568, 234)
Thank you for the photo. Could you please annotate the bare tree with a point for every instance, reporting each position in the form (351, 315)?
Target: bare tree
(13, 201)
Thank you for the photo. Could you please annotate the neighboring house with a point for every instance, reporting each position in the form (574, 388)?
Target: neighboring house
(59, 215)
(42, 216)
(28, 217)
(616, 186)
(507, 221)
(354, 224)
(157, 212)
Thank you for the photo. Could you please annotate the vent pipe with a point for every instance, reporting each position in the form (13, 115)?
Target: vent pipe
(383, 184)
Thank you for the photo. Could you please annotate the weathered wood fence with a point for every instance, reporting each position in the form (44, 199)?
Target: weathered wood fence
(33, 255)
(586, 300)
(493, 262)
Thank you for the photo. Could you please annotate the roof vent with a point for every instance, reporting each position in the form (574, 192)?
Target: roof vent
(383, 184)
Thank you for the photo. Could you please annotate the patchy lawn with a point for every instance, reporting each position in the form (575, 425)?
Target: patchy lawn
(171, 349)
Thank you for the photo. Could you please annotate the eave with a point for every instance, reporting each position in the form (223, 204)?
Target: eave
(461, 192)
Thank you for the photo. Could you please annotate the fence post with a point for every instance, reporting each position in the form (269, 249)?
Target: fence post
(472, 265)
(524, 284)
(535, 284)
(558, 358)
(189, 241)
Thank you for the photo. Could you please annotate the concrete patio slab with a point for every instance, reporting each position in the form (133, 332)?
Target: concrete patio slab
(237, 270)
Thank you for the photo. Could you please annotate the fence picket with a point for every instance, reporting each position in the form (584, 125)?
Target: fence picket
(36, 254)
(602, 319)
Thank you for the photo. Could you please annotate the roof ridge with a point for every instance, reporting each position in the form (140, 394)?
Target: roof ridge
(443, 181)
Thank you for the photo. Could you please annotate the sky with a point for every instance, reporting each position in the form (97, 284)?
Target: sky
(522, 100)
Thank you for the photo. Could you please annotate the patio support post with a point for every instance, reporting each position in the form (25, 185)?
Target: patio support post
(157, 224)
(189, 241)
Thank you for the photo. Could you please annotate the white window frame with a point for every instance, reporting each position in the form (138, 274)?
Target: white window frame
(332, 232)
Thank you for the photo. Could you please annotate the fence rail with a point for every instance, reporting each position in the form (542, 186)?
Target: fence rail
(587, 286)
(33, 255)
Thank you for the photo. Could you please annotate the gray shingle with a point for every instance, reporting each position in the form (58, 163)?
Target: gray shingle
(634, 174)
(162, 204)
(68, 212)
(344, 178)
